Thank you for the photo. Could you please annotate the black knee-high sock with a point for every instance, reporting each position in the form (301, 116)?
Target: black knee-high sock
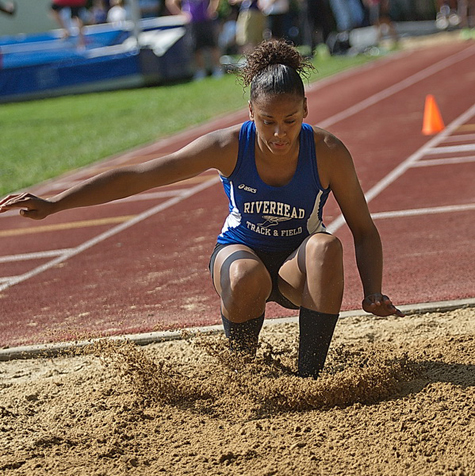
(316, 332)
(243, 336)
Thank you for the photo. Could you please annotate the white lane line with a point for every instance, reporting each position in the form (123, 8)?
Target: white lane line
(460, 138)
(452, 149)
(109, 233)
(424, 211)
(406, 164)
(445, 161)
(398, 87)
(36, 255)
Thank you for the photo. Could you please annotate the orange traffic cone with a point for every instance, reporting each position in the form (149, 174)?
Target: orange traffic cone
(433, 122)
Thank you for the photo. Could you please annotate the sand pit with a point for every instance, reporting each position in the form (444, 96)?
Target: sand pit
(396, 399)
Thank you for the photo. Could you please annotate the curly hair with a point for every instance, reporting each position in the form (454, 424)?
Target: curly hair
(275, 67)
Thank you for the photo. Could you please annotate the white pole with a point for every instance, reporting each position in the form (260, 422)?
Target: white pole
(135, 14)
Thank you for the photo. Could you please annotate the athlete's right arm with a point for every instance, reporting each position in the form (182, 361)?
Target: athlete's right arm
(215, 150)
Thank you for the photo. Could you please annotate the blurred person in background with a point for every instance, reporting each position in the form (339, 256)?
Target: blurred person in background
(380, 16)
(250, 26)
(150, 8)
(228, 12)
(77, 9)
(348, 14)
(98, 12)
(117, 14)
(317, 22)
(202, 16)
(277, 12)
(467, 13)
(454, 13)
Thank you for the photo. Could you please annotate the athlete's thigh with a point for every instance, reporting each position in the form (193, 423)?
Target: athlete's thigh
(291, 278)
(231, 254)
(292, 273)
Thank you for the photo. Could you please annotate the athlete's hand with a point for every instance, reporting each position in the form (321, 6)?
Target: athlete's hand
(380, 305)
(30, 206)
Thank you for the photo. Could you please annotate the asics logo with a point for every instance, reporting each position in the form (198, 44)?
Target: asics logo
(246, 188)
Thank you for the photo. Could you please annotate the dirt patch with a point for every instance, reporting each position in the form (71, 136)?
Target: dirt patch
(396, 399)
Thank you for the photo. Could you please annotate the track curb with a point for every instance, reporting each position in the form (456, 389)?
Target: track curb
(55, 349)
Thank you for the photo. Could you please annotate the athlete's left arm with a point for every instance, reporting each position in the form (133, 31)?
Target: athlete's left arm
(344, 183)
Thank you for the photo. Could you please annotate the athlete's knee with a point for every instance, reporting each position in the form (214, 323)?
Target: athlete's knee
(248, 288)
(324, 249)
(249, 280)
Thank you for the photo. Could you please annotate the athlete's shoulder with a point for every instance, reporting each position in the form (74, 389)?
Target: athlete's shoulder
(328, 146)
(326, 140)
(223, 144)
(225, 138)
(331, 155)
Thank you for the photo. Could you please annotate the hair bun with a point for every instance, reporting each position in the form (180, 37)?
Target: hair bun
(273, 52)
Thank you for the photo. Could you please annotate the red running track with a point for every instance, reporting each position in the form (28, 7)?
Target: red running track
(140, 265)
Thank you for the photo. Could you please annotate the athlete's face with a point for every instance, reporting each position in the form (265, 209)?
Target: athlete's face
(278, 120)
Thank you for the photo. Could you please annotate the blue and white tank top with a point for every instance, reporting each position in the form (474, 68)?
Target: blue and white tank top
(268, 218)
